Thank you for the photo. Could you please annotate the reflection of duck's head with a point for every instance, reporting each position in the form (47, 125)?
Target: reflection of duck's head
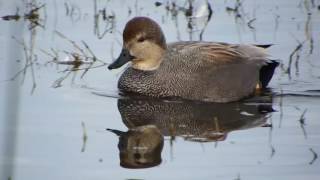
(193, 120)
(140, 147)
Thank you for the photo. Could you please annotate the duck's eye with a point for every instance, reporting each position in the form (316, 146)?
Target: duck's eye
(141, 39)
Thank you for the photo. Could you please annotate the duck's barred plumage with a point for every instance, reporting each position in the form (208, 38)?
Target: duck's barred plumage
(216, 72)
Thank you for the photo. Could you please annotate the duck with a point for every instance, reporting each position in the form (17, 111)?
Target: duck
(191, 70)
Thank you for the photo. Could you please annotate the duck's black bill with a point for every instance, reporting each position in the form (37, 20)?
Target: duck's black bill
(121, 60)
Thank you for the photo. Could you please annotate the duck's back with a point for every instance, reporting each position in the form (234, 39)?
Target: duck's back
(204, 71)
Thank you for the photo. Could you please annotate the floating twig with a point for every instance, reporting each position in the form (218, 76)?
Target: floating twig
(302, 123)
(207, 20)
(33, 16)
(71, 41)
(84, 137)
(77, 59)
(30, 58)
(236, 9)
(273, 151)
(250, 23)
(108, 20)
(315, 156)
(58, 83)
(302, 118)
(73, 11)
(295, 51)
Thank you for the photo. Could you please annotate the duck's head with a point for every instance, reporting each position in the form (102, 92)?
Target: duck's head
(143, 44)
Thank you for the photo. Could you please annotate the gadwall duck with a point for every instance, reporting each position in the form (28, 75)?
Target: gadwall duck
(193, 70)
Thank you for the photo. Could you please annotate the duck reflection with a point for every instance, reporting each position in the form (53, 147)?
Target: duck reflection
(140, 147)
(195, 121)
(148, 120)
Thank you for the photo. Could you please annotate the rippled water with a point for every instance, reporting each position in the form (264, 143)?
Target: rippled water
(53, 119)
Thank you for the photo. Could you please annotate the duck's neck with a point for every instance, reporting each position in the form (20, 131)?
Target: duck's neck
(146, 66)
(151, 62)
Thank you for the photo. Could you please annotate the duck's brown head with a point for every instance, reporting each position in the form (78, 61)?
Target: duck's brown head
(143, 44)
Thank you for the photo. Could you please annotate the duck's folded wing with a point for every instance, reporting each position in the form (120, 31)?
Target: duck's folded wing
(223, 53)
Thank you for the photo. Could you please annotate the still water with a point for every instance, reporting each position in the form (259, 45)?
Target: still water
(61, 116)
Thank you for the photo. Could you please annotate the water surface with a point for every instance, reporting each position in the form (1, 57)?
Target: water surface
(53, 120)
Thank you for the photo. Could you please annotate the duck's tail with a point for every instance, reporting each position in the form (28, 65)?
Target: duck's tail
(266, 72)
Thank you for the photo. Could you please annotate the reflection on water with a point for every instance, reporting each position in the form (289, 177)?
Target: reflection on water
(59, 50)
(140, 147)
(194, 121)
(31, 14)
(197, 17)
(145, 118)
